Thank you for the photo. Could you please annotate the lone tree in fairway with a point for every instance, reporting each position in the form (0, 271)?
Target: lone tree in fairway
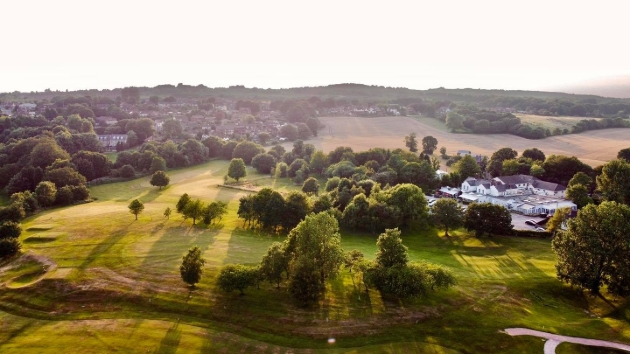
(595, 251)
(168, 212)
(411, 142)
(136, 207)
(192, 266)
(237, 169)
(160, 179)
(429, 144)
(447, 214)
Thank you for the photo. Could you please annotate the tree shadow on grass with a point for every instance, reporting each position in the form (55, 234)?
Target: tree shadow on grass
(171, 340)
(104, 246)
(175, 241)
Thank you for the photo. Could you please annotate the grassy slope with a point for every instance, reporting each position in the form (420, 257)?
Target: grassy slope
(117, 286)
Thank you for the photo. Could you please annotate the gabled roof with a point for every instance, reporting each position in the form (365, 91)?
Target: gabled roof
(548, 186)
(516, 179)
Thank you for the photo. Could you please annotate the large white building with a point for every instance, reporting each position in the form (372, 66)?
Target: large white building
(523, 193)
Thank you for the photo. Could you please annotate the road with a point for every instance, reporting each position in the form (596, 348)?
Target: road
(555, 339)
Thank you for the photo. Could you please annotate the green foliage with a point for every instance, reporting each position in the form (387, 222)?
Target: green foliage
(14, 212)
(314, 246)
(136, 207)
(578, 194)
(411, 142)
(263, 163)
(488, 218)
(167, 212)
(446, 214)
(454, 121)
(495, 165)
(237, 277)
(181, 203)
(595, 251)
(624, 154)
(9, 247)
(194, 209)
(10, 229)
(64, 196)
(158, 164)
(246, 150)
(237, 169)
(127, 171)
(318, 162)
(274, 264)
(560, 169)
(64, 176)
(289, 131)
(614, 181)
(534, 154)
(192, 266)
(391, 251)
(420, 174)
(559, 218)
(160, 179)
(214, 211)
(429, 144)
(310, 186)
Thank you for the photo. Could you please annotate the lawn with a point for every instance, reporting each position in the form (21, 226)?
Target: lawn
(94, 279)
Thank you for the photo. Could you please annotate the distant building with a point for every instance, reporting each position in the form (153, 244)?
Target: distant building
(523, 193)
(110, 141)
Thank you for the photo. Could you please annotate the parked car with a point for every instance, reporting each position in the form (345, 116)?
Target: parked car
(540, 229)
(530, 222)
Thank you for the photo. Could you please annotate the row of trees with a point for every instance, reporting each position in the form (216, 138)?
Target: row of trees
(195, 209)
(312, 254)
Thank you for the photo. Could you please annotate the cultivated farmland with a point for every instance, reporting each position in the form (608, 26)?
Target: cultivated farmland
(592, 147)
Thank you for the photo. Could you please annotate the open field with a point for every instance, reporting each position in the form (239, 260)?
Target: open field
(592, 147)
(95, 280)
(551, 123)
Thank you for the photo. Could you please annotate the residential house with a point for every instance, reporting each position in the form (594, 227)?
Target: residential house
(110, 141)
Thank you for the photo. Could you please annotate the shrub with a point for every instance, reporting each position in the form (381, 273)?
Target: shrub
(127, 171)
(64, 196)
(10, 229)
(9, 247)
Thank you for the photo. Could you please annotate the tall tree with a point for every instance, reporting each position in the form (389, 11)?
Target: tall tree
(237, 169)
(595, 251)
(488, 218)
(160, 179)
(614, 182)
(446, 213)
(495, 165)
(411, 142)
(429, 144)
(192, 266)
(467, 167)
(181, 203)
(534, 154)
(391, 251)
(136, 207)
(194, 209)
(315, 249)
(624, 154)
(274, 264)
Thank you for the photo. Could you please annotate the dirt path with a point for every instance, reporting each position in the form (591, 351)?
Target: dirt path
(554, 340)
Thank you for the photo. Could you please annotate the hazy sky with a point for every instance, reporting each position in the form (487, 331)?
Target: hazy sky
(66, 44)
